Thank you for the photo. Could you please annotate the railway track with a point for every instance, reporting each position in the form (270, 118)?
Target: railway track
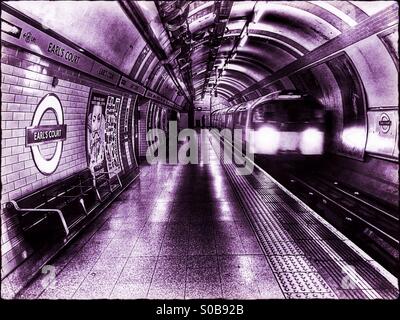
(280, 215)
(371, 224)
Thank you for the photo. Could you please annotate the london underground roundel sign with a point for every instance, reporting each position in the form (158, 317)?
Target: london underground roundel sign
(37, 134)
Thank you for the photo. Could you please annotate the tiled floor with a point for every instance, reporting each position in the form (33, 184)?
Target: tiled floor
(178, 232)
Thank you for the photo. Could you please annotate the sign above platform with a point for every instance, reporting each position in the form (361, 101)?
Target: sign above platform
(20, 33)
(159, 98)
(130, 85)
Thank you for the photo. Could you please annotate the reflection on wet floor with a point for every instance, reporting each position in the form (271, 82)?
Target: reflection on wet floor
(178, 232)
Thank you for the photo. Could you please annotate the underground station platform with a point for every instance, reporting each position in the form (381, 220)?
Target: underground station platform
(202, 231)
(234, 150)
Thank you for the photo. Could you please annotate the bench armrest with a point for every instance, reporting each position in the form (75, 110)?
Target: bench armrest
(60, 214)
(116, 174)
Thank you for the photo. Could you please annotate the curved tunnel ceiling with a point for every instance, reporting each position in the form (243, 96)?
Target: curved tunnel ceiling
(284, 31)
(256, 38)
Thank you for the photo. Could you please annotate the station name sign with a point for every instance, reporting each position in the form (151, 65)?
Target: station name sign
(22, 34)
(42, 134)
(157, 97)
(131, 86)
(37, 134)
(65, 53)
(385, 122)
(100, 71)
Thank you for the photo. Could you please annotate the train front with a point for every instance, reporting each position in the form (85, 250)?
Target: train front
(290, 125)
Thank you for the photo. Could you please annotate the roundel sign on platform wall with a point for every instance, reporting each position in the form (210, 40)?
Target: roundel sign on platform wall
(384, 123)
(37, 134)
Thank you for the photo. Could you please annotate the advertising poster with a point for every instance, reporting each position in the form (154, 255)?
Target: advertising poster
(96, 124)
(126, 130)
(102, 132)
(150, 114)
(111, 135)
(130, 128)
(125, 133)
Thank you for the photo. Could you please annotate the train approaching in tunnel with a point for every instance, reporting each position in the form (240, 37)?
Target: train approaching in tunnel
(188, 150)
(283, 122)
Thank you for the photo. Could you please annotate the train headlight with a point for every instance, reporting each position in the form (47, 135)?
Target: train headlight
(311, 141)
(266, 140)
(354, 137)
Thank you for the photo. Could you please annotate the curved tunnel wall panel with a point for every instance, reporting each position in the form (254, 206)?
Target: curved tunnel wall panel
(153, 69)
(379, 75)
(247, 70)
(380, 80)
(287, 83)
(179, 100)
(148, 64)
(371, 10)
(273, 57)
(155, 63)
(141, 57)
(156, 79)
(311, 30)
(278, 85)
(165, 86)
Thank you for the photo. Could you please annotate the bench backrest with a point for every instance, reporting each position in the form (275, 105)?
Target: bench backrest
(43, 195)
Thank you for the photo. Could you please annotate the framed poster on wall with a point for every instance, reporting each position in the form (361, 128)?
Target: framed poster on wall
(102, 132)
(95, 131)
(149, 120)
(126, 138)
(111, 148)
